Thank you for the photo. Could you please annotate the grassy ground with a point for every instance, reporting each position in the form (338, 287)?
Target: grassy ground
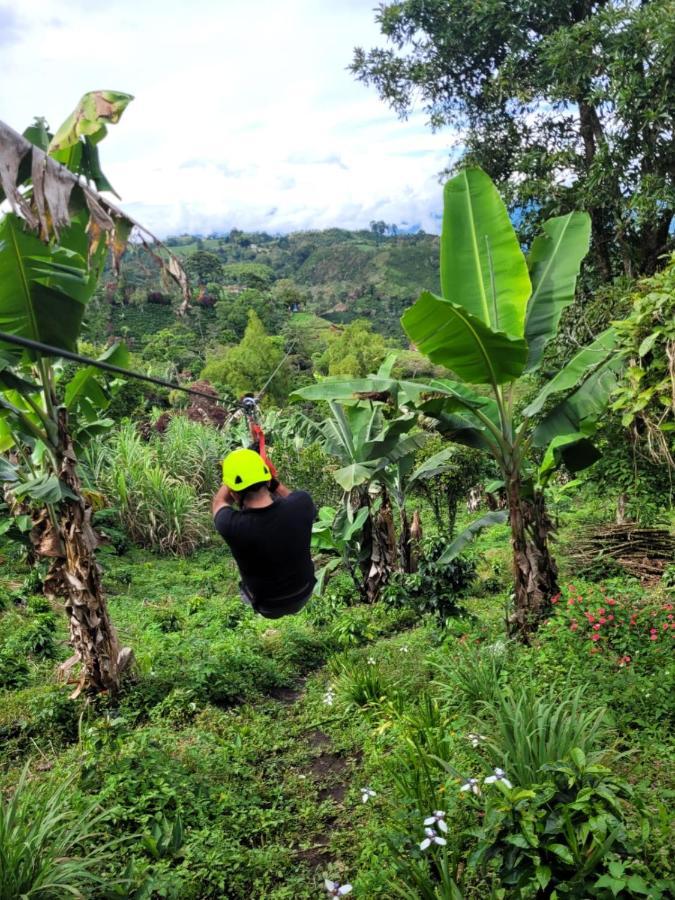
(233, 764)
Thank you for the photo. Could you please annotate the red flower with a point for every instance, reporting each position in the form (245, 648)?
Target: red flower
(574, 626)
(611, 601)
(602, 620)
(653, 637)
(596, 627)
(590, 617)
(665, 626)
(555, 599)
(596, 637)
(570, 602)
(610, 618)
(601, 612)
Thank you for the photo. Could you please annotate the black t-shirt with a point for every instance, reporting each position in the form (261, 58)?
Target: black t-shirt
(271, 546)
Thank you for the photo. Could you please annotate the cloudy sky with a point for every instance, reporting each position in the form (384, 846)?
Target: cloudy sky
(245, 115)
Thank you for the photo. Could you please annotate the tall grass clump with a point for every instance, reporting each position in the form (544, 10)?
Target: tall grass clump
(527, 729)
(160, 488)
(42, 844)
(472, 674)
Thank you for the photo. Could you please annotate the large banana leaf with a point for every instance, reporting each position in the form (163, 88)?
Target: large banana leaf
(581, 411)
(579, 367)
(483, 269)
(448, 334)
(435, 465)
(43, 291)
(574, 450)
(554, 262)
(498, 517)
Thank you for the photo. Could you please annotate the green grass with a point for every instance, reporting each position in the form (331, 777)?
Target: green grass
(234, 777)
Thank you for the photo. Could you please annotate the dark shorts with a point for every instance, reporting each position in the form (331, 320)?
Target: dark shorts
(278, 608)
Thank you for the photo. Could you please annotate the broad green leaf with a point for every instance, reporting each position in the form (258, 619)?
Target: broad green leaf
(45, 489)
(562, 851)
(84, 386)
(580, 411)
(8, 472)
(43, 291)
(117, 355)
(353, 475)
(554, 262)
(578, 757)
(543, 875)
(449, 335)
(89, 118)
(483, 269)
(497, 517)
(435, 465)
(581, 364)
(574, 450)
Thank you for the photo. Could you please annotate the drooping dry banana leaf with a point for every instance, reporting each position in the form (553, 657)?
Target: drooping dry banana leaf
(46, 194)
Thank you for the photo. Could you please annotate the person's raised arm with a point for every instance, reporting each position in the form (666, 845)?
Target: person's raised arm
(222, 498)
(280, 490)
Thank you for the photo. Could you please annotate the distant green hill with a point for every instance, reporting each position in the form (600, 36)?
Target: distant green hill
(341, 274)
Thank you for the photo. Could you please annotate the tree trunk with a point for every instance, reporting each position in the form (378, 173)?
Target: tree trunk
(75, 576)
(621, 514)
(535, 573)
(591, 133)
(382, 558)
(404, 543)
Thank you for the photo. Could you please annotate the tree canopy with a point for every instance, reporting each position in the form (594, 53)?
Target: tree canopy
(566, 105)
(248, 365)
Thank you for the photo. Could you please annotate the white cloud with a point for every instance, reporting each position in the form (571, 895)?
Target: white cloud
(244, 114)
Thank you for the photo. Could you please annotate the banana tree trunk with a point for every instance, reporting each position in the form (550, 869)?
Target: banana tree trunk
(535, 573)
(380, 537)
(75, 576)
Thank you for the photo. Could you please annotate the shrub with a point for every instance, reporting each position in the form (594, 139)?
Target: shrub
(435, 587)
(309, 469)
(42, 843)
(617, 626)
(565, 836)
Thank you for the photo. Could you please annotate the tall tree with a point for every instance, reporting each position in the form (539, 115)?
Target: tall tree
(566, 104)
(256, 362)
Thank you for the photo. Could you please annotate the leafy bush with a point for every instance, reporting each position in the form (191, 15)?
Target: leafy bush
(42, 843)
(618, 626)
(435, 587)
(307, 468)
(566, 835)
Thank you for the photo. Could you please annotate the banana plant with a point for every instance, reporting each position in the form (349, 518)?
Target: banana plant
(498, 311)
(368, 445)
(52, 248)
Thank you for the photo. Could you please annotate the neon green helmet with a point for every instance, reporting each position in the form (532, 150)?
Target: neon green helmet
(242, 468)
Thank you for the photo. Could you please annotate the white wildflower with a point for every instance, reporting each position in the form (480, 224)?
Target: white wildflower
(403, 649)
(367, 793)
(475, 738)
(371, 661)
(432, 838)
(471, 784)
(437, 819)
(335, 889)
(500, 775)
(329, 697)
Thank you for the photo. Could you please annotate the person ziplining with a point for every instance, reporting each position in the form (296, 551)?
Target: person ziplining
(268, 528)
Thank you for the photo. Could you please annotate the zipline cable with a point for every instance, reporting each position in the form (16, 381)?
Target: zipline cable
(28, 344)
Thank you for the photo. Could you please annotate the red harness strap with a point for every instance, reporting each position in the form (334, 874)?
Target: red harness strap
(258, 437)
